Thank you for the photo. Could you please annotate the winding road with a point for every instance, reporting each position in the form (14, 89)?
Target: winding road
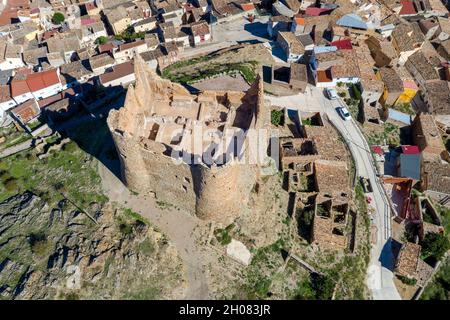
(380, 278)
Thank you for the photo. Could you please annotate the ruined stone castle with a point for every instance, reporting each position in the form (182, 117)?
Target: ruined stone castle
(160, 153)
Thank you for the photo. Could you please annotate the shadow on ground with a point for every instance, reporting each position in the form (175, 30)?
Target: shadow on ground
(387, 255)
(89, 130)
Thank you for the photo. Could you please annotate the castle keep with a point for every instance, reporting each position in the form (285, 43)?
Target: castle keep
(160, 152)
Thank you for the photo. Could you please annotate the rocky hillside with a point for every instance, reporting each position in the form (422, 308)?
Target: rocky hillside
(63, 252)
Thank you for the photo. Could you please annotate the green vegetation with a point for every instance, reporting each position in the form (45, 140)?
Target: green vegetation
(246, 69)
(434, 245)
(34, 124)
(147, 247)
(356, 93)
(129, 35)
(223, 235)
(404, 107)
(70, 171)
(390, 134)
(58, 18)
(407, 281)
(136, 216)
(39, 244)
(439, 287)
(277, 117)
(101, 40)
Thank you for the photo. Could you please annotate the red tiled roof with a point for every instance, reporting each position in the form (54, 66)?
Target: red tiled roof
(40, 80)
(410, 149)
(407, 7)
(19, 87)
(27, 110)
(345, 44)
(324, 76)
(247, 6)
(314, 11)
(377, 150)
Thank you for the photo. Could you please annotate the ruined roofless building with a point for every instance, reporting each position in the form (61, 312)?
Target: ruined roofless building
(161, 117)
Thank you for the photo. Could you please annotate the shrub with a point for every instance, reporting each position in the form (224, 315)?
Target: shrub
(277, 117)
(356, 92)
(101, 40)
(435, 245)
(407, 281)
(58, 18)
(11, 185)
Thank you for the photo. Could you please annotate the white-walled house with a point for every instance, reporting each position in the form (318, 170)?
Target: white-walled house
(128, 50)
(10, 56)
(200, 33)
(36, 86)
(122, 75)
(6, 101)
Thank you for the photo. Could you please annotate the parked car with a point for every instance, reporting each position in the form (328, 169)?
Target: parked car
(343, 112)
(331, 93)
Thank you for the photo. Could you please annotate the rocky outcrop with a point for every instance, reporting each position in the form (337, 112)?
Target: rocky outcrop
(48, 253)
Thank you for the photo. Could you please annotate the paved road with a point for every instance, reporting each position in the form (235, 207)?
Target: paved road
(379, 274)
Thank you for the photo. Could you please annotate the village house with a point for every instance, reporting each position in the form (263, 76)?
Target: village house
(421, 69)
(74, 73)
(151, 57)
(199, 32)
(25, 112)
(92, 9)
(152, 40)
(192, 14)
(127, 51)
(118, 19)
(410, 265)
(277, 24)
(34, 57)
(407, 38)
(291, 46)
(330, 68)
(393, 86)
(100, 63)
(294, 77)
(121, 75)
(426, 136)
(10, 56)
(91, 30)
(437, 97)
(6, 101)
(145, 25)
(383, 52)
(170, 33)
(65, 44)
(444, 49)
(372, 87)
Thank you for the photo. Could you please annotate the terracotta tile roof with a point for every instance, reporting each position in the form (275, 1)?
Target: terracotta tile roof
(40, 80)
(26, 111)
(407, 8)
(19, 87)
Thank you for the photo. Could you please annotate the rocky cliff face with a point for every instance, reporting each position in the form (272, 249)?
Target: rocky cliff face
(63, 253)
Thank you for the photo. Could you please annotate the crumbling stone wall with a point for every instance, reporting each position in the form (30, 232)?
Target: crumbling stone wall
(212, 193)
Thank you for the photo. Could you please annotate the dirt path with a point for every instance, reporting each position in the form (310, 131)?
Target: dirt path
(179, 227)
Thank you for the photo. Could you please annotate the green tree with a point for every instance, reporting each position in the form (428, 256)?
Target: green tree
(58, 18)
(101, 40)
(277, 117)
(435, 245)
